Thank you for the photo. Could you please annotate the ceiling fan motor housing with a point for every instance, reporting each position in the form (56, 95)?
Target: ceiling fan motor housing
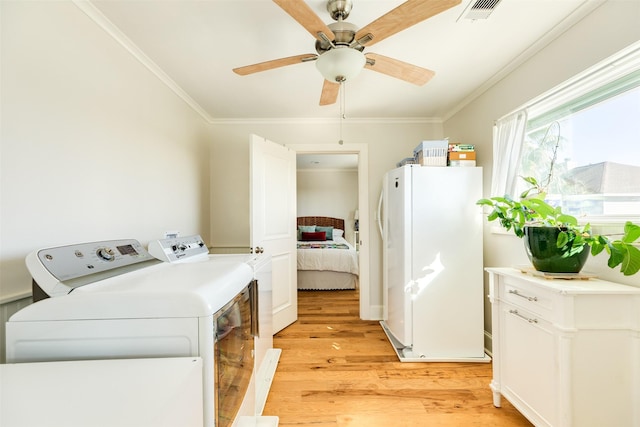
(345, 32)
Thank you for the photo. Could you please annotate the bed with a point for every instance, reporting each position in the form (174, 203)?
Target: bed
(325, 264)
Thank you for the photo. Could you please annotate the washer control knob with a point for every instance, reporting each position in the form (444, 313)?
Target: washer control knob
(106, 254)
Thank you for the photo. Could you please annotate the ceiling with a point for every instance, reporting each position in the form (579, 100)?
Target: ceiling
(194, 45)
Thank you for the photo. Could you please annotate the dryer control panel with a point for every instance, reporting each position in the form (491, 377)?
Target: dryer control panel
(179, 249)
(58, 270)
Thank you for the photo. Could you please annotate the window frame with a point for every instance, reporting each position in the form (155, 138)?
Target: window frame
(606, 79)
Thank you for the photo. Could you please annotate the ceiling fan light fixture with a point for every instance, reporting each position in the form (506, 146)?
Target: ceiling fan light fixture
(340, 64)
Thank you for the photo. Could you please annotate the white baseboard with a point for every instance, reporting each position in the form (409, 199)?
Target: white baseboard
(265, 376)
(375, 312)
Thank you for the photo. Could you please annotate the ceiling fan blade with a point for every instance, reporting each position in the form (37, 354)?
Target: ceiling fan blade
(398, 69)
(404, 16)
(276, 63)
(329, 93)
(301, 12)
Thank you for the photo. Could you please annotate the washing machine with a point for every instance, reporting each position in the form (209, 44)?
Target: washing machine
(114, 300)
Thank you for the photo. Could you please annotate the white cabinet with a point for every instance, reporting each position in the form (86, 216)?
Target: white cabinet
(566, 352)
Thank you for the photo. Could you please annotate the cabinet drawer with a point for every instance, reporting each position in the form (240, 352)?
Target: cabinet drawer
(533, 299)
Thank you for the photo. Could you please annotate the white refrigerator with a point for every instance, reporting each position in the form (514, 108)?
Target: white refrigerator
(432, 263)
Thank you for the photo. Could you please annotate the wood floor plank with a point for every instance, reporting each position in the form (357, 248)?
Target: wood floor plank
(336, 370)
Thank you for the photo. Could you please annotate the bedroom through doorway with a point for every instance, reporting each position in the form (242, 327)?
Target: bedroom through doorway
(331, 187)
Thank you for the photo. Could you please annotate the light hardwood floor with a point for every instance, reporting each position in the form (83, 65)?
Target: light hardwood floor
(337, 370)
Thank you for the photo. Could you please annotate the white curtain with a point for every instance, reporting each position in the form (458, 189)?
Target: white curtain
(508, 137)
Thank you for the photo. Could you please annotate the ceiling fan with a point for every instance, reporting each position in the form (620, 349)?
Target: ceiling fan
(340, 45)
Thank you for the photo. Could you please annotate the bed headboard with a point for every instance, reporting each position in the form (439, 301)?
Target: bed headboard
(322, 221)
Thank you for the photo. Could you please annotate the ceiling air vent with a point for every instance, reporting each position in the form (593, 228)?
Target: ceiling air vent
(479, 9)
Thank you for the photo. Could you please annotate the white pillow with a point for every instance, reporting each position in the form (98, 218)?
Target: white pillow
(337, 233)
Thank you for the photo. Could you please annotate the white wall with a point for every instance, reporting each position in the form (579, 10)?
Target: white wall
(93, 147)
(610, 28)
(388, 143)
(332, 193)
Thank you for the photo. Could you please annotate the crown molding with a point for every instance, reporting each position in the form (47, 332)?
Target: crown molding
(103, 22)
(311, 120)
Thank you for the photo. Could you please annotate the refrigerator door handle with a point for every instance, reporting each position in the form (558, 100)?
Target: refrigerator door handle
(380, 215)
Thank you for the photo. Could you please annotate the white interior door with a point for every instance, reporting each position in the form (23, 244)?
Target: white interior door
(273, 222)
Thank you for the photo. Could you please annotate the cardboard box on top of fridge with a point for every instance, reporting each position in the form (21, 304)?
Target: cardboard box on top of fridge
(462, 155)
(465, 153)
(432, 152)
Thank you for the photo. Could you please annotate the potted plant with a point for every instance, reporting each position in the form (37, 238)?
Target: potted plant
(555, 241)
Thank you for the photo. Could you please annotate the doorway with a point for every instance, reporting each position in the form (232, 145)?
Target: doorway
(362, 208)
(327, 185)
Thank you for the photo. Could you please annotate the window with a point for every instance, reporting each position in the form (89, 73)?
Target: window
(589, 129)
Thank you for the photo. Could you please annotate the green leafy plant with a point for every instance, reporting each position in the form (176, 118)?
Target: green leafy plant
(532, 210)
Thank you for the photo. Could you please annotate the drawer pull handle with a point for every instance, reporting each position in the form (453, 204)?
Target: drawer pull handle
(523, 317)
(515, 292)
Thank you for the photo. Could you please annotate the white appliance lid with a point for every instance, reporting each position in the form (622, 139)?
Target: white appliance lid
(163, 290)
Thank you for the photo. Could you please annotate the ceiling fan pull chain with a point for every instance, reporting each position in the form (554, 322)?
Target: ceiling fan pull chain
(342, 108)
